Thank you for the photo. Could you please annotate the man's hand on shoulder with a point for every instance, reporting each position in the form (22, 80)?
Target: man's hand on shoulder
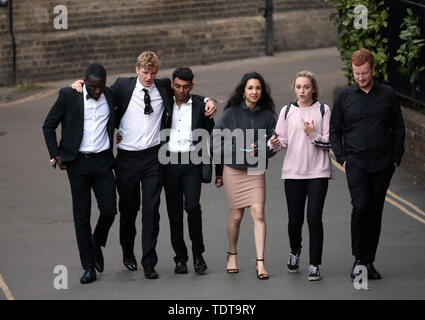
(77, 85)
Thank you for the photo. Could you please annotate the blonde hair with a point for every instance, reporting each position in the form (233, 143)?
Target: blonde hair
(148, 60)
(310, 75)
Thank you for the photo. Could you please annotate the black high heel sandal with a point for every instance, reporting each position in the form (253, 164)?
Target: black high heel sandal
(261, 276)
(234, 270)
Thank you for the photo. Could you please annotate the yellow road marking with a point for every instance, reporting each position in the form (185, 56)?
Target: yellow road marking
(406, 202)
(394, 203)
(414, 216)
(5, 289)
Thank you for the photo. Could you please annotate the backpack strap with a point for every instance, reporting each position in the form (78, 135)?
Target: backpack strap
(322, 109)
(288, 106)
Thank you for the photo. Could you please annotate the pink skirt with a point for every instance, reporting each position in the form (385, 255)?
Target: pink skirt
(243, 189)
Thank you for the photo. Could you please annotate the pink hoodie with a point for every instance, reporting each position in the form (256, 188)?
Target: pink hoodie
(303, 160)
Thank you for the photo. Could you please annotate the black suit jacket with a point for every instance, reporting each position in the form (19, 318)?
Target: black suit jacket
(199, 120)
(68, 111)
(123, 89)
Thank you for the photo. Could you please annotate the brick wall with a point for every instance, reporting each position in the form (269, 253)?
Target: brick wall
(5, 48)
(413, 161)
(181, 31)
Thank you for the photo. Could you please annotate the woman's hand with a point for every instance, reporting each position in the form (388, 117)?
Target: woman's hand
(274, 141)
(308, 128)
(219, 181)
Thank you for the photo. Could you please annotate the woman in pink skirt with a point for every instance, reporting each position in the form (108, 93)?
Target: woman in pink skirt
(249, 115)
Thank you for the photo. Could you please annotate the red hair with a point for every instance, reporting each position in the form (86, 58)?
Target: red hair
(360, 57)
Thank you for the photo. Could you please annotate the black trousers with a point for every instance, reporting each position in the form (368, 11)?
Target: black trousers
(85, 173)
(368, 191)
(297, 191)
(135, 171)
(183, 190)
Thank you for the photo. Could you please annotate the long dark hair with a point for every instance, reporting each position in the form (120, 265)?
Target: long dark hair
(265, 102)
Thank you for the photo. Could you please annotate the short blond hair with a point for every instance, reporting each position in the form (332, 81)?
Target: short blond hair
(148, 60)
(310, 75)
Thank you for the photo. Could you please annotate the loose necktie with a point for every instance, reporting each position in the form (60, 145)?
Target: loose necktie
(148, 107)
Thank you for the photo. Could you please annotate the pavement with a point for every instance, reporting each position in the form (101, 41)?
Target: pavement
(37, 232)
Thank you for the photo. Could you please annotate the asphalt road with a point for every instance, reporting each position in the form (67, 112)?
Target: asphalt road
(37, 232)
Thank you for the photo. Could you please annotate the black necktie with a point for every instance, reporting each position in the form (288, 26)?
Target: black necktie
(148, 107)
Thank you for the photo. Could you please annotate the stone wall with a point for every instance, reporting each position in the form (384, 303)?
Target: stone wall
(188, 32)
(413, 161)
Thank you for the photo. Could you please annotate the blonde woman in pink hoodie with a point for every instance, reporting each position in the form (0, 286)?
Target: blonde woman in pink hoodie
(303, 130)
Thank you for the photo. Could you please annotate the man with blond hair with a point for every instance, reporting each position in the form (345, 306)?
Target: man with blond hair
(144, 108)
(367, 136)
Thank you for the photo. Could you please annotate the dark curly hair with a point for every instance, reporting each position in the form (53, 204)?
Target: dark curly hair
(265, 102)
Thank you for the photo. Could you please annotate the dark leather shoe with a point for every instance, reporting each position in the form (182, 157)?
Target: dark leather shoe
(181, 268)
(98, 257)
(88, 276)
(356, 263)
(150, 273)
(130, 264)
(199, 264)
(372, 273)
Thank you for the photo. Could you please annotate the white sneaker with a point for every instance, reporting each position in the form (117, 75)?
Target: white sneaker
(293, 263)
(313, 273)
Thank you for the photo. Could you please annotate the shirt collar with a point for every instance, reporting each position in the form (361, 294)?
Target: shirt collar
(140, 87)
(188, 102)
(256, 109)
(87, 96)
(375, 86)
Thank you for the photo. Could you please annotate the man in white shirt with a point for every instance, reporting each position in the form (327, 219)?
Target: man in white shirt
(183, 179)
(85, 152)
(144, 108)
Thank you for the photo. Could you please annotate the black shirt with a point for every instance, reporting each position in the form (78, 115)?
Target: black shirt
(367, 129)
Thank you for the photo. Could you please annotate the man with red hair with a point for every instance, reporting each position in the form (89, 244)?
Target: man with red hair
(367, 136)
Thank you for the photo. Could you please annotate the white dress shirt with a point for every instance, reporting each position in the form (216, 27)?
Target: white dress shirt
(181, 128)
(96, 116)
(140, 131)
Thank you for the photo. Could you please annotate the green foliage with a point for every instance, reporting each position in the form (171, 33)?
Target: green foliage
(372, 38)
(410, 50)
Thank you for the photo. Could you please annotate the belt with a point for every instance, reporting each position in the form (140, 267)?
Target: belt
(91, 154)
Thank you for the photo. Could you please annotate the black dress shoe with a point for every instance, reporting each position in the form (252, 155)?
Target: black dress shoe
(88, 276)
(181, 268)
(356, 263)
(130, 264)
(199, 264)
(372, 273)
(150, 273)
(98, 257)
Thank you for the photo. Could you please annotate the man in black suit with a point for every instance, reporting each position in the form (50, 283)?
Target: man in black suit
(85, 152)
(144, 108)
(183, 179)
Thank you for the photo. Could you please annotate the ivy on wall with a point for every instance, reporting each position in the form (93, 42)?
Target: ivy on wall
(410, 51)
(362, 24)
